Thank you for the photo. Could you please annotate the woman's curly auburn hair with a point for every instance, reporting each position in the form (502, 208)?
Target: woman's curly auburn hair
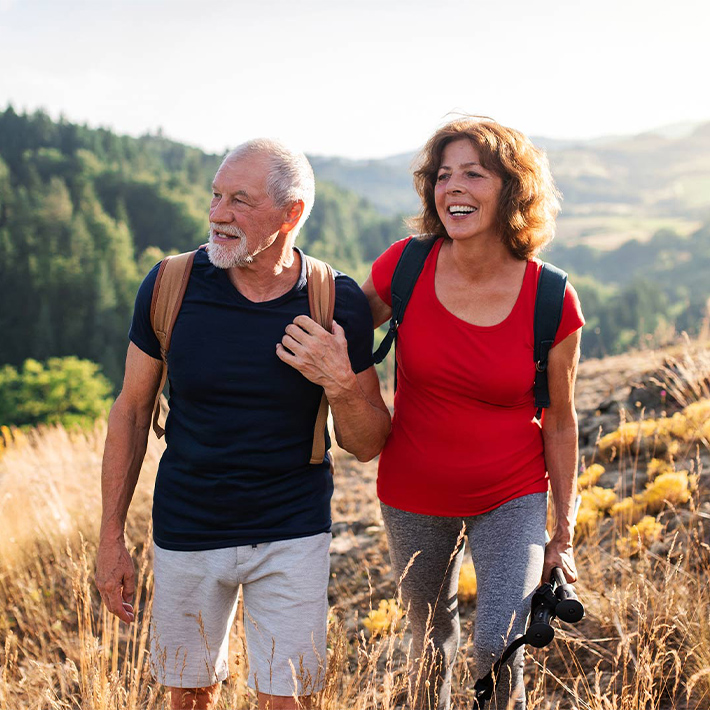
(528, 202)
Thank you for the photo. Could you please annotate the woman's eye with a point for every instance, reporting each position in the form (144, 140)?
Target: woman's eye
(473, 174)
(442, 177)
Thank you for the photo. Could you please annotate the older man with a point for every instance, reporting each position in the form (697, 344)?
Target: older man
(236, 499)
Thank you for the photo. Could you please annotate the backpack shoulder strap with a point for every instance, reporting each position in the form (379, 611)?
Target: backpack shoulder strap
(168, 292)
(549, 301)
(321, 302)
(321, 291)
(409, 267)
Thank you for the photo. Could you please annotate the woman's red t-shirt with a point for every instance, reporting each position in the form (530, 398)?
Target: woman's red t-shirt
(464, 434)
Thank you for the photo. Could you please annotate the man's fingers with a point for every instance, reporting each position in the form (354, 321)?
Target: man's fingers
(126, 613)
(296, 332)
(291, 344)
(115, 604)
(116, 580)
(284, 354)
(128, 583)
(309, 325)
(129, 588)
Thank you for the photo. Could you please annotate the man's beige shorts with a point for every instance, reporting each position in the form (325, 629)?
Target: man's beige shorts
(285, 586)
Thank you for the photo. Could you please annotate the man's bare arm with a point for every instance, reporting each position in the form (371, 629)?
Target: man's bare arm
(126, 441)
(362, 420)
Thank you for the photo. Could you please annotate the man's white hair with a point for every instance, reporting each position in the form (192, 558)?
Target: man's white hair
(290, 176)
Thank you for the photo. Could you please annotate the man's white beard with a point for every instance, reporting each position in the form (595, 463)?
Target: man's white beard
(229, 256)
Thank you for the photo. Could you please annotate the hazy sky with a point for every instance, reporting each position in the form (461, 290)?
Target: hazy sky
(361, 78)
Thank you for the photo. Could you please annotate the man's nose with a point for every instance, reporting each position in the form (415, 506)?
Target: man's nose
(219, 211)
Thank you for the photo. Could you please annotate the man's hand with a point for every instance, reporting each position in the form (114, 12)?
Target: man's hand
(320, 356)
(116, 579)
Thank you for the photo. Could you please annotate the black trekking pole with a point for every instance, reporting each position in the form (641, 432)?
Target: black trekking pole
(555, 598)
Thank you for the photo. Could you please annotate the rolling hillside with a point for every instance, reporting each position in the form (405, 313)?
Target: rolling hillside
(614, 189)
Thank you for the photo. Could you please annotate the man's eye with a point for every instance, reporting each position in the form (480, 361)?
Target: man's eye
(215, 196)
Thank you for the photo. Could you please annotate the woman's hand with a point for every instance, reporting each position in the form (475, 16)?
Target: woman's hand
(559, 554)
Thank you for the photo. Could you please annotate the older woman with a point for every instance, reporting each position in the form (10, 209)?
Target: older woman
(466, 449)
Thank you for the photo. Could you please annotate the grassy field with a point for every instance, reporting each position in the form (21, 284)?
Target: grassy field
(643, 555)
(609, 231)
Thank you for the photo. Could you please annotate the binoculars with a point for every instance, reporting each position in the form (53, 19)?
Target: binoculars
(555, 598)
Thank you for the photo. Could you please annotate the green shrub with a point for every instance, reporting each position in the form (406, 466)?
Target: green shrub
(66, 391)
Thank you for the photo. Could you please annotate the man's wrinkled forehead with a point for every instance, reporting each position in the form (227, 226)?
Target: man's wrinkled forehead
(243, 174)
(256, 160)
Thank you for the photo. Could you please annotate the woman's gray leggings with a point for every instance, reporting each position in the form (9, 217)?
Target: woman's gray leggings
(508, 547)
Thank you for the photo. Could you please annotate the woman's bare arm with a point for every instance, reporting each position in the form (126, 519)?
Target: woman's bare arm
(381, 312)
(560, 436)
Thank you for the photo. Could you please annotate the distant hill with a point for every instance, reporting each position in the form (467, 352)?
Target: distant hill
(386, 183)
(614, 188)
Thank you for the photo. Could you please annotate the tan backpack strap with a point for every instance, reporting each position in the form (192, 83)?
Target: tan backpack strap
(321, 301)
(157, 427)
(168, 292)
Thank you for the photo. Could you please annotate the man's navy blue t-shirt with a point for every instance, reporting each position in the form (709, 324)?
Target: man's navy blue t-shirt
(239, 433)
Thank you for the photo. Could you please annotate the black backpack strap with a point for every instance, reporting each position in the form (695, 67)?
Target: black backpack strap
(410, 265)
(548, 313)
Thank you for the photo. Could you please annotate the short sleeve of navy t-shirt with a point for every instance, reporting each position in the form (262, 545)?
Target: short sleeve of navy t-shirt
(239, 433)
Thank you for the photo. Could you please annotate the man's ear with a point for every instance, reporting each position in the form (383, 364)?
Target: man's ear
(292, 216)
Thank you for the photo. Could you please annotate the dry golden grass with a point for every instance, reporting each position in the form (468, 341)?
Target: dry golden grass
(644, 644)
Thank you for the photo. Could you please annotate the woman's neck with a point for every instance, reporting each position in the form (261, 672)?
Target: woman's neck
(480, 259)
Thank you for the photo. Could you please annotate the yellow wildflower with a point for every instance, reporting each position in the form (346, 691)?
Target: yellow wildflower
(627, 435)
(590, 476)
(698, 413)
(672, 487)
(647, 531)
(657, 466)
(673, 448)
(598, 498)
(624, 435)
(627, 508)
(387, 616)
(467, 582)
(676, 426)
(587, 519)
